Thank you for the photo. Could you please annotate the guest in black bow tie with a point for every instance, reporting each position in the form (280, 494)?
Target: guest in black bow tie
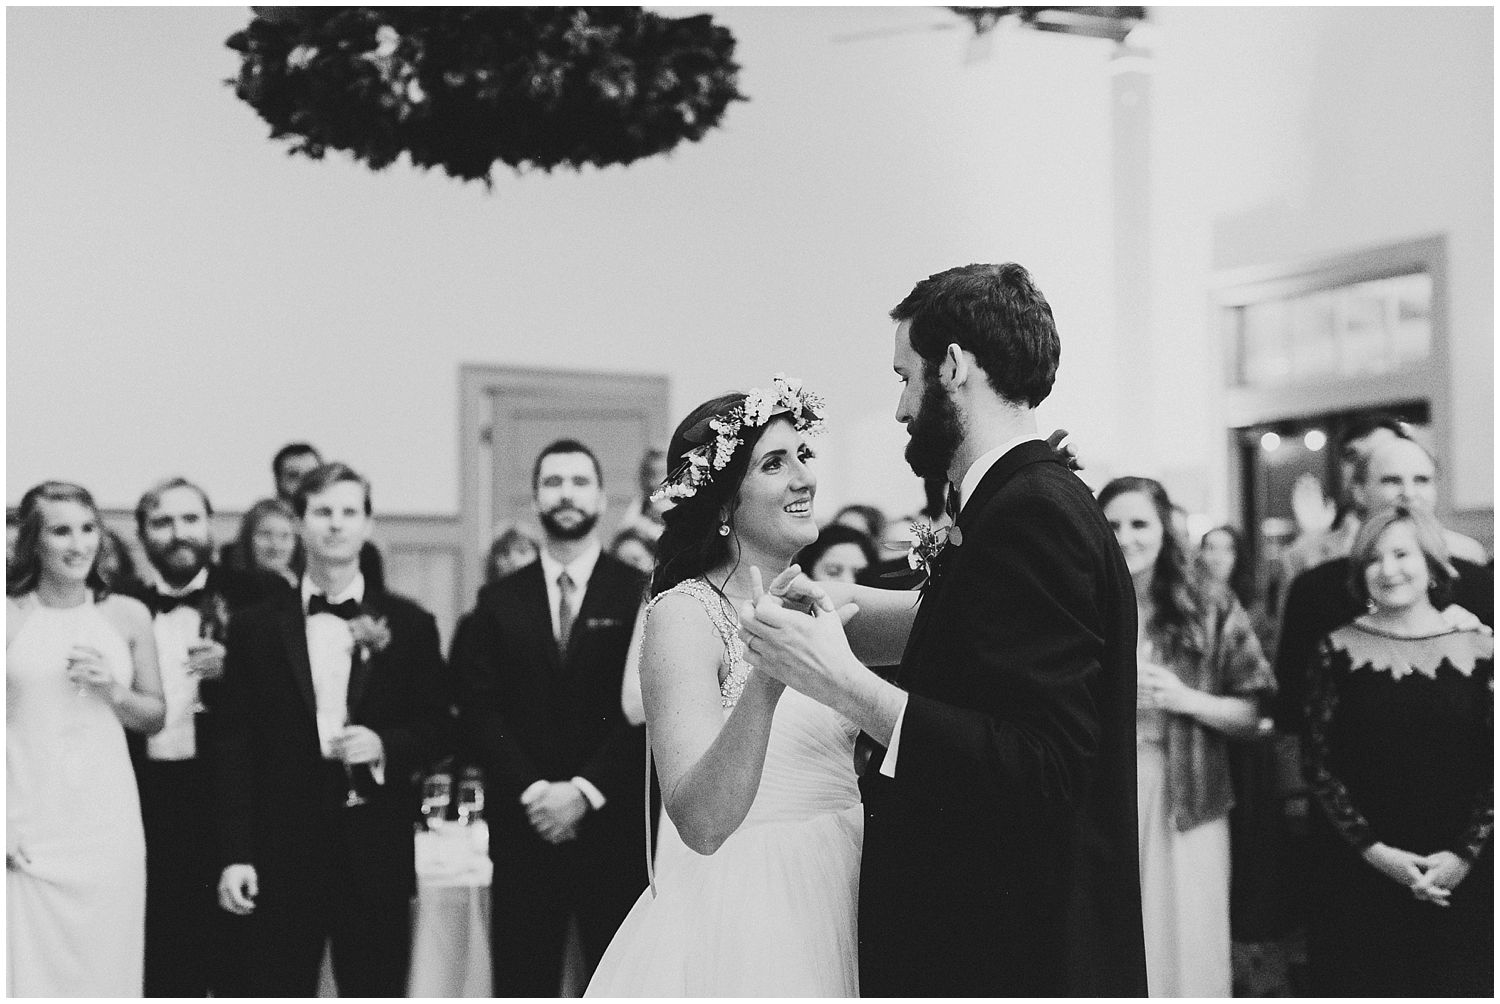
(337, 696)
(192, 947)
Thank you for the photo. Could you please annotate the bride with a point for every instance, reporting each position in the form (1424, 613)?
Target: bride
(755, 892)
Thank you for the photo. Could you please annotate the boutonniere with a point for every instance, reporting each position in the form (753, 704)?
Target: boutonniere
(927, 542)
(371, 634)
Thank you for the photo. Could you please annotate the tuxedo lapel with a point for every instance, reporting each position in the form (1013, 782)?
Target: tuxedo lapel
(294, 635)
(538, 612)
(361, 665)
(1030, 452)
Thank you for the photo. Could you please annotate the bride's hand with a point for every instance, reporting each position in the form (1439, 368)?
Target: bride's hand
(793, 589)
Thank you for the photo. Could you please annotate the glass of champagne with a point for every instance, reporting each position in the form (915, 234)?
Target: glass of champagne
(353, 798)
(437, 792)
(470, 797)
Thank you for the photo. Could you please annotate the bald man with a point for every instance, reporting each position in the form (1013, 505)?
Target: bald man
(1396, 470)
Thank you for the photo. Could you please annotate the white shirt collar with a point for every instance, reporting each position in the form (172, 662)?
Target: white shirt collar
(980, 467)
(354, 591)
(580, 569)
(199, 581)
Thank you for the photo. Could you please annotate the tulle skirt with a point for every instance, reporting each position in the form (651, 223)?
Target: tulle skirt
(770, 914)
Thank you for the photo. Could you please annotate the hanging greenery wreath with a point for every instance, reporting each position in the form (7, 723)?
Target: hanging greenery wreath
(464, 88)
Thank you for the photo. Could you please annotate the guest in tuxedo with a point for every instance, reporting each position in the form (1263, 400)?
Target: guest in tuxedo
(541, 661)
(192, 947)
(290, 465)
(1000, 794)
(1397, 471)
(335, 696)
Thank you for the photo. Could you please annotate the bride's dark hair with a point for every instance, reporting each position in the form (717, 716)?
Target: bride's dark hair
(691, 543)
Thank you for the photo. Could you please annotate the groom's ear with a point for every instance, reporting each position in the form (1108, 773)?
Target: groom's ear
(955, 365)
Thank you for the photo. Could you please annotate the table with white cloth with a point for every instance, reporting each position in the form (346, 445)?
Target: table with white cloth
(450, 916)
(450, 941)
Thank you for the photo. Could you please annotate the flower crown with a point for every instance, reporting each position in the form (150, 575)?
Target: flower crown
(721, 434)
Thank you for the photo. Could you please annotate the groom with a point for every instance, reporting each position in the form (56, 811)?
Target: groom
(1000, 817)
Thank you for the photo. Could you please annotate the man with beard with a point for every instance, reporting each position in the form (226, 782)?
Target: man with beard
(541, 663)
(1000, 847)
(192, 947)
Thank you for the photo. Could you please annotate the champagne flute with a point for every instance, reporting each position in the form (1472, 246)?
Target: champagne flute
(470, 797)
(437, 792)
(353, 798)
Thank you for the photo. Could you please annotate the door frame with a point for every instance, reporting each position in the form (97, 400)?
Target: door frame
(477, 384)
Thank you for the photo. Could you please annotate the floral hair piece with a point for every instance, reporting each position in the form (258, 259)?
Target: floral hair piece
(722, 434)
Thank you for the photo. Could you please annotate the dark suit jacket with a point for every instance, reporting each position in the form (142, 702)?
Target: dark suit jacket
(529, 717)
(1001, 859)
(1320, 601)
(279, 799)
(238, 591)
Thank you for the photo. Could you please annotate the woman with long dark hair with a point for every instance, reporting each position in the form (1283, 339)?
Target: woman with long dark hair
(1200, 672)
(80, 668)
(756, 874)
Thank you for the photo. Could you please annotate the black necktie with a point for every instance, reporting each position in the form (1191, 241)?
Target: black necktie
(318, 604)
(165, 603)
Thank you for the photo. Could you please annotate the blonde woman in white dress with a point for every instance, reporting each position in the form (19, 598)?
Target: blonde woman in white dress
(80, 668)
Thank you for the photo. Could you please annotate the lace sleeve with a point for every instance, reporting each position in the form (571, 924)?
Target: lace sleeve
(1331, 795)
(1482, 822)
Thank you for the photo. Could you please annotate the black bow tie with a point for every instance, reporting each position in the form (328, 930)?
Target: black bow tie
(318, 604)
(164, 603)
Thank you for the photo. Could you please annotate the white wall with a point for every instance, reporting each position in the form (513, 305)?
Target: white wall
(184, 297)
(1290, 133)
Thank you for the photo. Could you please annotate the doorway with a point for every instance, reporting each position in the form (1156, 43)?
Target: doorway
(507, 415)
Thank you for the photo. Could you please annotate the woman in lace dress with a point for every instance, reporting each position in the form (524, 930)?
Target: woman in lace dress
(80, 668)
(1398, 752)
(756, 875)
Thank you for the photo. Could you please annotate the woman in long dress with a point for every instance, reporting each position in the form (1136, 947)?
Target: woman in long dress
(756, 876)
(80, 668)
(1200, 673)
(1398, 752)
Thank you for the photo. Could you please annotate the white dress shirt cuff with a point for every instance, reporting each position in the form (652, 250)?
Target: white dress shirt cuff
(377, 770)
(888, 765)
(533, 791)
(594, 795)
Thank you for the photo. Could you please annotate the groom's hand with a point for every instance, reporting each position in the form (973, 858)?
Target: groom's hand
(806, 652)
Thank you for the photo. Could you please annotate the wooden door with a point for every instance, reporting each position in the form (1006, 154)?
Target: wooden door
(509, 415)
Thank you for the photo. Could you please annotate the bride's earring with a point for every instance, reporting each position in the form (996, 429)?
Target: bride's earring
(723, 529)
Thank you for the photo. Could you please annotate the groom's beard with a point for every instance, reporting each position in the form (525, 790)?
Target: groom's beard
(562, 531)
(935, 433)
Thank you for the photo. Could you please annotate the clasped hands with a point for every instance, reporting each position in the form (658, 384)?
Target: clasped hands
(554, 810)
(1431, 878)
(792, 635)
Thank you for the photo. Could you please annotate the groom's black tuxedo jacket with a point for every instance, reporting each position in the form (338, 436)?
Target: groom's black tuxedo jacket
(280, 803)
(1001, 859)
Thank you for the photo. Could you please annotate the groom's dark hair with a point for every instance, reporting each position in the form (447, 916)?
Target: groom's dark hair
(997, 313)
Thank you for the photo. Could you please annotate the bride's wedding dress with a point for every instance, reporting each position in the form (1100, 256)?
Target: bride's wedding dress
(772, 912)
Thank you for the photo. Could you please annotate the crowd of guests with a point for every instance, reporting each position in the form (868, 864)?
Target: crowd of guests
(214, 761)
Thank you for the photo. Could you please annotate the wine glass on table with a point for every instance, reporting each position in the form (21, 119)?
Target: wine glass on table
(470, 797)
(437, 792)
